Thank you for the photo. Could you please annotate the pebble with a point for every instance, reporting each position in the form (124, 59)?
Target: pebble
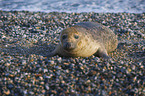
(24, 70)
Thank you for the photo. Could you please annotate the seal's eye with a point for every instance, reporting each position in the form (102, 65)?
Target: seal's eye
(76, 36)
(64, 36)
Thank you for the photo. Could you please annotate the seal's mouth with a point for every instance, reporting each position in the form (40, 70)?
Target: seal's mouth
(68, 46)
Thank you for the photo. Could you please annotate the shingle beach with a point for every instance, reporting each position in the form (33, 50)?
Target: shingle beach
(26, 37)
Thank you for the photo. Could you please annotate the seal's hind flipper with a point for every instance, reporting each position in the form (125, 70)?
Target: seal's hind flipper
(101, 52)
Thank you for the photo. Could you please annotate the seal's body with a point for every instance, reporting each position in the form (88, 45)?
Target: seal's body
(85, 39)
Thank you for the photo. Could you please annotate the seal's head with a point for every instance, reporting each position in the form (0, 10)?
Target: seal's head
(71, 40)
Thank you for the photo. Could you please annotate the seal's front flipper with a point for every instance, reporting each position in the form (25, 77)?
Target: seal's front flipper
(102, 53)
(54, 52)
(51, 54)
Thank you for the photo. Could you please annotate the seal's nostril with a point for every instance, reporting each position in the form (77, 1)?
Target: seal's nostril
(68, 45)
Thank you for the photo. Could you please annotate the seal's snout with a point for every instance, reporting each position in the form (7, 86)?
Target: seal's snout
(68, 46)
